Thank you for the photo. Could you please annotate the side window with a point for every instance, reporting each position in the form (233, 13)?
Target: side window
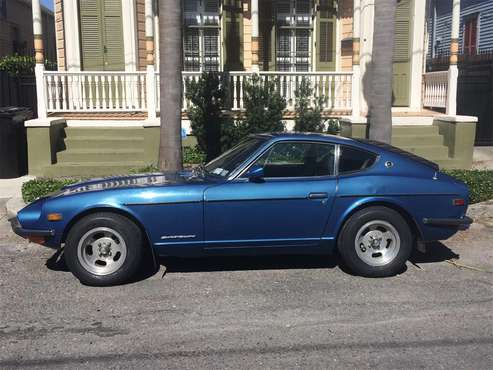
(298, 159)
(352, 159)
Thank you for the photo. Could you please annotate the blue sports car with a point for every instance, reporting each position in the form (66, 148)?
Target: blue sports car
(271, 193)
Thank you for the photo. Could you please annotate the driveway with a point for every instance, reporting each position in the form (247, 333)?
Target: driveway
(252, 313)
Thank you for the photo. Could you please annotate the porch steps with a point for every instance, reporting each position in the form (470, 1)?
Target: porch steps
(99, 151)
(425, 141)
(90, 169)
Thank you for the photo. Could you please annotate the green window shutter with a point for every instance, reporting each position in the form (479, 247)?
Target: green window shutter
(232, 23)
(326, 37)
(113, 34)
(91, 35)
(267, 37)
(101, 35)
(401, 56)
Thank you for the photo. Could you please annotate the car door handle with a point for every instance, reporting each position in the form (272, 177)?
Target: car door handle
(318, 196)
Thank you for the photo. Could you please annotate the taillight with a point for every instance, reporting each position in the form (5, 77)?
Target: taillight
(458, 202)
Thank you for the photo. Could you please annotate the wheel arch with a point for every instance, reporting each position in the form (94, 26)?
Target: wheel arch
(383, 203)
(109, 209)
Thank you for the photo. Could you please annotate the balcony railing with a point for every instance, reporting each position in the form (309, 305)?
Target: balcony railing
(129, 91)
(435, 89)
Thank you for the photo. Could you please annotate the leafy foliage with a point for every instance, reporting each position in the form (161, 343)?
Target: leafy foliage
(309, 111)
(34, 189)
(208, 97)
(18, 65)
(264, 107)
(479, 182)
(193, 155)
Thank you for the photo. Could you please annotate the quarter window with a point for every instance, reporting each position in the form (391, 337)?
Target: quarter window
(352, 159)
(298, 159)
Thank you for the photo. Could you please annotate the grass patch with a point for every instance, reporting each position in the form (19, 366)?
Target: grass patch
(479, 182)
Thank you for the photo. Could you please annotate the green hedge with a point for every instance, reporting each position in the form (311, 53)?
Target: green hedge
(41, 187)
(479, 182)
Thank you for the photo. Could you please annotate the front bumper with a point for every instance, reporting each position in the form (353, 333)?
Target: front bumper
(461, 223)
(25, 233)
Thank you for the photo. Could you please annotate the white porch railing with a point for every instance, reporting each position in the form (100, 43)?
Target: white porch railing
(128, 91)
(435, 89)
(94, 91)
(333, 87)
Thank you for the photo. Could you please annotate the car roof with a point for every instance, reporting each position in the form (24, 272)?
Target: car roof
(309, 136)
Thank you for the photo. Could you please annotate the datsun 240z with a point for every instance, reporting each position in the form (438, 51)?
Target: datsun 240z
(271, 193)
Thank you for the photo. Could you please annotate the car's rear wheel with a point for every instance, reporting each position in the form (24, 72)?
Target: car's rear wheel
(376, 242)
(104, 249)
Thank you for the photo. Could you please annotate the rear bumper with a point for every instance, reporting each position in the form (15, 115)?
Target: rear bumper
(17, 228)
(462, 223)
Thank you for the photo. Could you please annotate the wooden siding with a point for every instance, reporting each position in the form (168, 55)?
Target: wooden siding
(346, 33)
(141, 35)
(440, 26)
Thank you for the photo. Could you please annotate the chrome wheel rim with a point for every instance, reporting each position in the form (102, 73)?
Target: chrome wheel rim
(102, 251)
(377, 243)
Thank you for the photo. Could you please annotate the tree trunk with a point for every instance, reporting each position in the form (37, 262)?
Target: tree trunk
(170, 54)
(380, 112)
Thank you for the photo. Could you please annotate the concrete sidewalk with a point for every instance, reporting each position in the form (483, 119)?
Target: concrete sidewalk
(10, 188)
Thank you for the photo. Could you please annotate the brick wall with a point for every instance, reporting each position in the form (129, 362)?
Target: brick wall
(60, 35)
(141, 34)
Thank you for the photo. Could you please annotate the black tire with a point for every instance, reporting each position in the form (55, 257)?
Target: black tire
(114, 223)
(351, 230)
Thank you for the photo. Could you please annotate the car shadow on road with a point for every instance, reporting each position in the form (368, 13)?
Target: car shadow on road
(245, 263)
(435, 252)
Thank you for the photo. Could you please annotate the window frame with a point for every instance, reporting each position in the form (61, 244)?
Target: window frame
(377, 158)
(201, 15)
(250, 163)
(469, 21)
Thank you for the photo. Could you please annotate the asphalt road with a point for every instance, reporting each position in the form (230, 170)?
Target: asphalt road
(252, 313)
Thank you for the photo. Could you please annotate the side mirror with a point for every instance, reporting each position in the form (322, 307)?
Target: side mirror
(255, 173)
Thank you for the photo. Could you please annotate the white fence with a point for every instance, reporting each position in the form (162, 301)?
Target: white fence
(435, 89)
(128, 91)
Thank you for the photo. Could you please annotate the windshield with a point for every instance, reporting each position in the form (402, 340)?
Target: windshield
(230, 160)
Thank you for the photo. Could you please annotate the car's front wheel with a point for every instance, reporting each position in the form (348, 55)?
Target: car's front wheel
(375, 242)
(104, 249)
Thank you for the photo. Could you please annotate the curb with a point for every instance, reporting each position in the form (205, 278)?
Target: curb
(13, 206)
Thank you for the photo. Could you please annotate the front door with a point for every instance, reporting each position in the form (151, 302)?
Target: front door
(290, 207)
(101, 35)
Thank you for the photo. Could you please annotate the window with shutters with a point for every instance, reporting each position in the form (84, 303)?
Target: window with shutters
(294, 32)
(471, 35)
(201, 43)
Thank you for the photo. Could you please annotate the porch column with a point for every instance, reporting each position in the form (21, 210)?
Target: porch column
(39, 58)
(151, 72)
(255, 36)
(453, 72)
(356, 82)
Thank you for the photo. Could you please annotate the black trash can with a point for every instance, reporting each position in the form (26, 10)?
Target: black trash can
(13, 142)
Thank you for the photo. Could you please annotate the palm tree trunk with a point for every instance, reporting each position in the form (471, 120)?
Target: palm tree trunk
(170, 54)
(380, 112)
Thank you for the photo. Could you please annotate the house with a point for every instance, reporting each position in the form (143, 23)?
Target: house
(16, 36)
(475, 62)
(476, 27)
(98, 113)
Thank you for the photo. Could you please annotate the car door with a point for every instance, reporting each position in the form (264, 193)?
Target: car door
(288, 207)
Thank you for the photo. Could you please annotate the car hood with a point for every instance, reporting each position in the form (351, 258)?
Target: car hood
(135, 181)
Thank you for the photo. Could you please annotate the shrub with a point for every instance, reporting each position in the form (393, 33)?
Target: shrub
(208, 97)
(34, 189)
(479, 182)
(193, 155)
(309, 111)
(18, 65)
(264, 107)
